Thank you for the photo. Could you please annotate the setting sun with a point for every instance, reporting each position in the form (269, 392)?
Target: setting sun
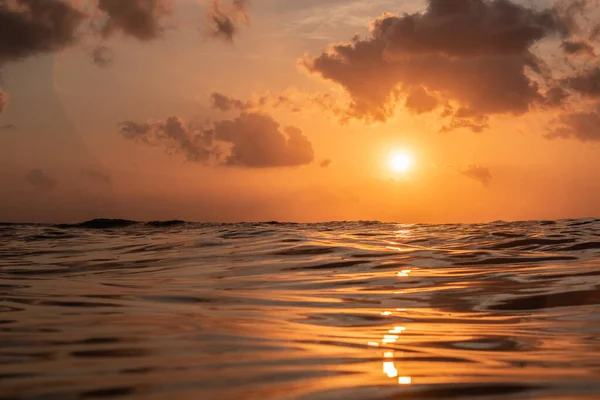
(401, 162)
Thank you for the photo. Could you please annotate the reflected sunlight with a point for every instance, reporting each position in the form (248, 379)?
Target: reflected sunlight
(390, 369)
(389, 365)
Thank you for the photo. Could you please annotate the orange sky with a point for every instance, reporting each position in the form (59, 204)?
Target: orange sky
(519, 88)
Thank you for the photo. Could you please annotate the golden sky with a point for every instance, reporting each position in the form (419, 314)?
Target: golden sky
(256, 110)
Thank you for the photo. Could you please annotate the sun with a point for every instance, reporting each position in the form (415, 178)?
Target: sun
(401, 162)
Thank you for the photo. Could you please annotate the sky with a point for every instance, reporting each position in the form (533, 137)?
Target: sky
(287, 110)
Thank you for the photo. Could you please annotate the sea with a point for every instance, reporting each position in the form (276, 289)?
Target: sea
(116, 309)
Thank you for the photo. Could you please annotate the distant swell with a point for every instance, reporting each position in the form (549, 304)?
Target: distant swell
(101, 223)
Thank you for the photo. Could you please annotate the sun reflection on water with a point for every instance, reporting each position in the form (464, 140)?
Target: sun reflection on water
(389, 356)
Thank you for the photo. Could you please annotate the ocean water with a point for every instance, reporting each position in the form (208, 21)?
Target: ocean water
(358, 310)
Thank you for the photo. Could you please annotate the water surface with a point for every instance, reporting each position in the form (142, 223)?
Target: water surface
(365, 310)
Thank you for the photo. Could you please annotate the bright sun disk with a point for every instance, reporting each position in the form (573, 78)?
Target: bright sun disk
(401, 162)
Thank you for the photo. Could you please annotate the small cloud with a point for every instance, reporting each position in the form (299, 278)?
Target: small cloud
(7, 127)
(224, 21)
(325, 163)
(40, 180)
(102, 56)
(223, 102)
(475, 123)
(95, 176)
(480, 174)
(141, 19)
(291, 99)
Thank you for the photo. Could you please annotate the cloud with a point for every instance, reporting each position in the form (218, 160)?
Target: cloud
(40, 180)
(223, 102)
(474, 53)
(173, 135)
(586, 83)
(476, 124)
(95, 176)
(31, 27)
(258, 142)
(325, 163)
(480, 174)
(581, 125)
(252, 140)
(141, 19)
(292, 100)
(102, 56)
(578, 47)
(224, 21)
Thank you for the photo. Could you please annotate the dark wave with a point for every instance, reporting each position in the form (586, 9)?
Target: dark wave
(166, 224)
(100, 223)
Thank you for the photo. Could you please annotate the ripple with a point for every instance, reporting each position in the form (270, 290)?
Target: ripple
(563, 299)
(331, 265)
(516, 260)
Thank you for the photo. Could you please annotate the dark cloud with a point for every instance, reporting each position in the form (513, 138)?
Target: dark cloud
(586, 83)
(583, 126)
(475, 124)
(97, 177)
(420, 102)
(325, 163)
(578, 47)
(141, 19)
(40, 180)
(225, 103)
(224, 21)
(102, 56)
(31, 27)
(556, 96)
(173, 135)
(475, 53)
(251, 140)
(480, 174)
